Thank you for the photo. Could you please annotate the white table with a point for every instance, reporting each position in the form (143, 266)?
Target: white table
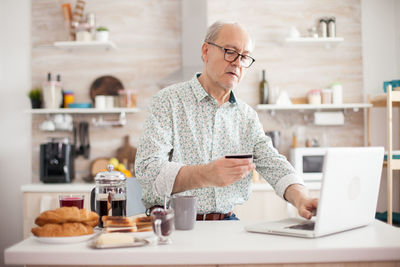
(223, 242)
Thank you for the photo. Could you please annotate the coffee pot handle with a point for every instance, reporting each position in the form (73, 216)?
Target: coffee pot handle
(93, 199)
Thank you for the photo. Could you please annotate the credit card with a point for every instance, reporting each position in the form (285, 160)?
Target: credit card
(239, 156)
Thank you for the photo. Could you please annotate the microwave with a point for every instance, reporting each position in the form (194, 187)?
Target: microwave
(308, 162)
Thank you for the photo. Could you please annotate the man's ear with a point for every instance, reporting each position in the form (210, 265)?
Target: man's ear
(204, 52)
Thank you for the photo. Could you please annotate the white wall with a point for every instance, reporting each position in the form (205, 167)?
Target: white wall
(380, 22)
(15, 155)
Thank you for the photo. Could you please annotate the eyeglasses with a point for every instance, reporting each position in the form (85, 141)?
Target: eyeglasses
(231, 55)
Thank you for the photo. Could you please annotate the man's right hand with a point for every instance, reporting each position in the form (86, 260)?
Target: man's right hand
(223, 171)
(220, 172)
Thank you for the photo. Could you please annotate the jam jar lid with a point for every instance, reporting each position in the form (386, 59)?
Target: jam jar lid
(110, 175)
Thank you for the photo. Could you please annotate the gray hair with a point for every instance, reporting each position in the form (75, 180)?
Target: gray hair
(215, 28)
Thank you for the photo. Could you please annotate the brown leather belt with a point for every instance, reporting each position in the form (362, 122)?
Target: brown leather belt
(212, 216)
(201, 217)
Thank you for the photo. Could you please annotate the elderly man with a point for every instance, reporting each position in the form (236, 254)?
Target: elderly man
(193, 125)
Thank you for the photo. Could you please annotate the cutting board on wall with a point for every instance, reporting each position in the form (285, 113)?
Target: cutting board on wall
(127, 154)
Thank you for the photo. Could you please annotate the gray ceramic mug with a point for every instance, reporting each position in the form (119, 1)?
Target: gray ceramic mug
(185, 209)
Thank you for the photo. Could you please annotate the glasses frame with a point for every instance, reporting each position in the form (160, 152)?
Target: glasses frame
(238, 54)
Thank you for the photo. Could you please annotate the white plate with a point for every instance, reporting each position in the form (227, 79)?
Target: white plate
(64, 240)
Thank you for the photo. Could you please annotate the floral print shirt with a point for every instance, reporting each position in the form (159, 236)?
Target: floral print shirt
(185, 126)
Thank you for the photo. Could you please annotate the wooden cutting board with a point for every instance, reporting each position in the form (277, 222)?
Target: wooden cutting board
(98, 165)
(127, 154)
(105, 85)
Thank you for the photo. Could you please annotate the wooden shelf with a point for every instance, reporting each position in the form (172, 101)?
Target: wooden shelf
(312, 40)
(92, 44)
(395, 164)
(307, 41)
(381, 100)
(74, 45)
(389, 100)
(354, 106)
(82, 111)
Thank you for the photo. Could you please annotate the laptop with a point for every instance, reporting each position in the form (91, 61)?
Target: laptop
(348, 198)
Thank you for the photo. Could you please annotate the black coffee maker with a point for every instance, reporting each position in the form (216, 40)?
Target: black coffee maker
(57, 161)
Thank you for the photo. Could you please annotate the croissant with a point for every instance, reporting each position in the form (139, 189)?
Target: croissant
(62, 230)
(68, 214)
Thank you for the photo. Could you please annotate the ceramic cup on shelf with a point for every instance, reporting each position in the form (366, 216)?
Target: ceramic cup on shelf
(100, 102)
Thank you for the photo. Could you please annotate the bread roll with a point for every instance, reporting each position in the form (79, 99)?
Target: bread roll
(67, 214)
(62, 230)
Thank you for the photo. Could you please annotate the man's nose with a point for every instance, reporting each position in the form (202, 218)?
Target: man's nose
(237, 61)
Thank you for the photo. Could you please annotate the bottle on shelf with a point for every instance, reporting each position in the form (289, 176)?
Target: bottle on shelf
(332, 27)
(323, 27)
(294, 140)
(52, 94)
(264, 89)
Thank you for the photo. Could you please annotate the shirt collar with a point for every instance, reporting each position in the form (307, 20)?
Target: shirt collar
(201, 93)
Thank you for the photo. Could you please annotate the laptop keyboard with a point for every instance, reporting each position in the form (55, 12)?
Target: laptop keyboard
(303, 226)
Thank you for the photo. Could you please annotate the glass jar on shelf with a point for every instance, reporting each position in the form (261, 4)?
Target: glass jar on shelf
(127, 98)
(314, 97)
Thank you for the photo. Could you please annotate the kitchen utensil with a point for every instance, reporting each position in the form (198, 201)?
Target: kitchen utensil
(109, 195)
(127, 153)
(98, 165)
(275, 137)
(105, 85)
(84, 148)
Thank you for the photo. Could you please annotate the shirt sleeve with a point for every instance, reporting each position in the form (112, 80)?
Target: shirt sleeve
(271, 165)
(155, 173)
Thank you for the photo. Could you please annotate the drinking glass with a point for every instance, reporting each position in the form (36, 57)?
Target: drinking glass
(71, 201)
(163, 224)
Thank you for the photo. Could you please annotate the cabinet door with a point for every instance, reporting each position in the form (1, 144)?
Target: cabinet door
(35, 203)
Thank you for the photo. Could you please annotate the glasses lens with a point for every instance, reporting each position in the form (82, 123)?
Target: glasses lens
(231, 55)
(246, 61)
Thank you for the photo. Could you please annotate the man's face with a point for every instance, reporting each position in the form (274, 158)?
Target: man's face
(226, 74)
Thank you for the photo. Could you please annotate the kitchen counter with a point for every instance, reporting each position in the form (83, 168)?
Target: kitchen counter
(223, 242)
(72, 187)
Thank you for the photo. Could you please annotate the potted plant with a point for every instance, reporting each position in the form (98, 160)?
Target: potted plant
(102, 34)
(35, 96)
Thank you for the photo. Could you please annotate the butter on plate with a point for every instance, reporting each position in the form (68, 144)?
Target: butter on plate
(114, 238)
(118, 240)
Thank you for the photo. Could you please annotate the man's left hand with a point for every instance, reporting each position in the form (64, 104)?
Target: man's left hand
(298, 195)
